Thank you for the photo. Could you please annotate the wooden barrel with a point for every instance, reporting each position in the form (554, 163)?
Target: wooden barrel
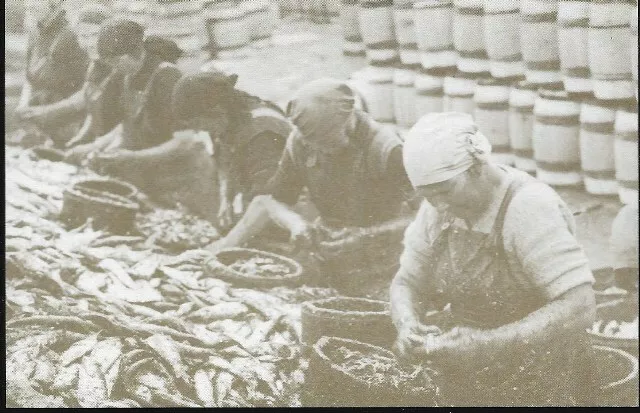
(556, 138)
(434, 33)
(502, 37)
(136, 10)
(333, 7)
(404, 95)
(375, 85)
(259, 19)
(610, 49)
(521, 102)
(616, 377)
(181, 21)
(573, 44)
(468, 36)
(626, 153)
(375, 18)
(90, 18)
(491, 114)
(227, 26)
(597, 118)
(352, 44)
(633, 22)
(429, 87)
(404, 27)
(458, 92)
(539, 32)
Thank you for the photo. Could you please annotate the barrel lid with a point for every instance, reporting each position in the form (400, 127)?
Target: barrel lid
(392, 62)
(439, 71)
(629, 105)
(580, 96)
(431, 3)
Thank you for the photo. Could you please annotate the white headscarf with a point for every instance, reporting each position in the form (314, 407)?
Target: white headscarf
(441, 146)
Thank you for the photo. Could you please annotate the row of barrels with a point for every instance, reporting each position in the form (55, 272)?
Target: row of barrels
(195, 25)
(566, 139)
(317, 11)
(590, 46)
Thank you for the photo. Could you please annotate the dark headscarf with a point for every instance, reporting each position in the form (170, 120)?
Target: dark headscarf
(119, 37)
(165, 49)
(194, 95)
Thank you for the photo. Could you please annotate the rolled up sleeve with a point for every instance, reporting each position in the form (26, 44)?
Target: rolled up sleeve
(539, 230)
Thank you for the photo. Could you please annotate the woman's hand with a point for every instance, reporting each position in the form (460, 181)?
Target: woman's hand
(225, 214)
(455, 349)
(412, 338)
(80, 153)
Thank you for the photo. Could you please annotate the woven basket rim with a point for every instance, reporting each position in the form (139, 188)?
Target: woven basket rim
(83, 197)
(134, 190)
(312, 307)
(288, 277)
(633, 361)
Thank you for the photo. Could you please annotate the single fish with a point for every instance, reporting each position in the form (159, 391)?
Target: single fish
(204, 388)
(79, 349)
(92, 387)
(166, 348)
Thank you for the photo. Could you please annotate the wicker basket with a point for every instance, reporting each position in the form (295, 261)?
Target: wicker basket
(220, 268)
(617, 377)
(615, 310)
(108, 210)
(109, 186)
(359, 319)
(50, 154)
(330, 385)
(364, 262)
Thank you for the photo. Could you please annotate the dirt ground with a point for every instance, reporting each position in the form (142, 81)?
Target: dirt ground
(300, 51)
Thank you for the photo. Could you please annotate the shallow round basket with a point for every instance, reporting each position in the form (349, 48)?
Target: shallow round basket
(355, 318)
(110, 186)
(331, 385)
(220, 268)
(615, 310)
(108, 211)
(616, 376)
(50, 154)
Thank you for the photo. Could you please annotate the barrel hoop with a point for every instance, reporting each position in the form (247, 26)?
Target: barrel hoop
(498, 12)
(354, 39)
(628, 184)
(444, 48)
(476, 54)
(350, 2)
(180, 13)
(604, 127)
(409, 46)
(500, 149)
(557, 120)
(567, 24)
(353, 52)
(493, 105)
(463, 95)
(440, 5)
(234, 47)
(558, 166)
(608, 174)
(375, 4)
(511, 58)
(540, 18)
(389, 44)
(613, 26)
(628, 136)
(582, 72)
(613, 76)
(404, 6)
(430, 92)
(523, 109)
(476, 11)
(523, 153)
(551, 65)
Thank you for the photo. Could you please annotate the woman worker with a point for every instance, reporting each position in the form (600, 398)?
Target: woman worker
(241, 138)
(493, 250)
(103, 92)
(56, 67)
(147, 86)
(624, 248)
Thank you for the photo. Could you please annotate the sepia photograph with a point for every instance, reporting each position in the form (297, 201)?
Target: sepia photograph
(321, 203)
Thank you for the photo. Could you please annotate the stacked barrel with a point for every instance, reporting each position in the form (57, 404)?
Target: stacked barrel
(318, 11)
(90, 17)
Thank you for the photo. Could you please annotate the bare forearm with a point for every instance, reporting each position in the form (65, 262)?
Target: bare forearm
(403, 301)
(25, 96)
(282, 214)
(73, 104)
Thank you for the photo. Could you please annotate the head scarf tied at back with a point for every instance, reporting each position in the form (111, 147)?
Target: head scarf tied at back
(441, 146)
(195, 95)
(165, 49)
(119, 37)
(321, 107)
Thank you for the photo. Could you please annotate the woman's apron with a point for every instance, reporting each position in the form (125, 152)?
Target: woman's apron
(94, 96)
(471, 273)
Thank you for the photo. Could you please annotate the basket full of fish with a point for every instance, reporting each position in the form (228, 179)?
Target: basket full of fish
(254, 268)
(345, 372)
